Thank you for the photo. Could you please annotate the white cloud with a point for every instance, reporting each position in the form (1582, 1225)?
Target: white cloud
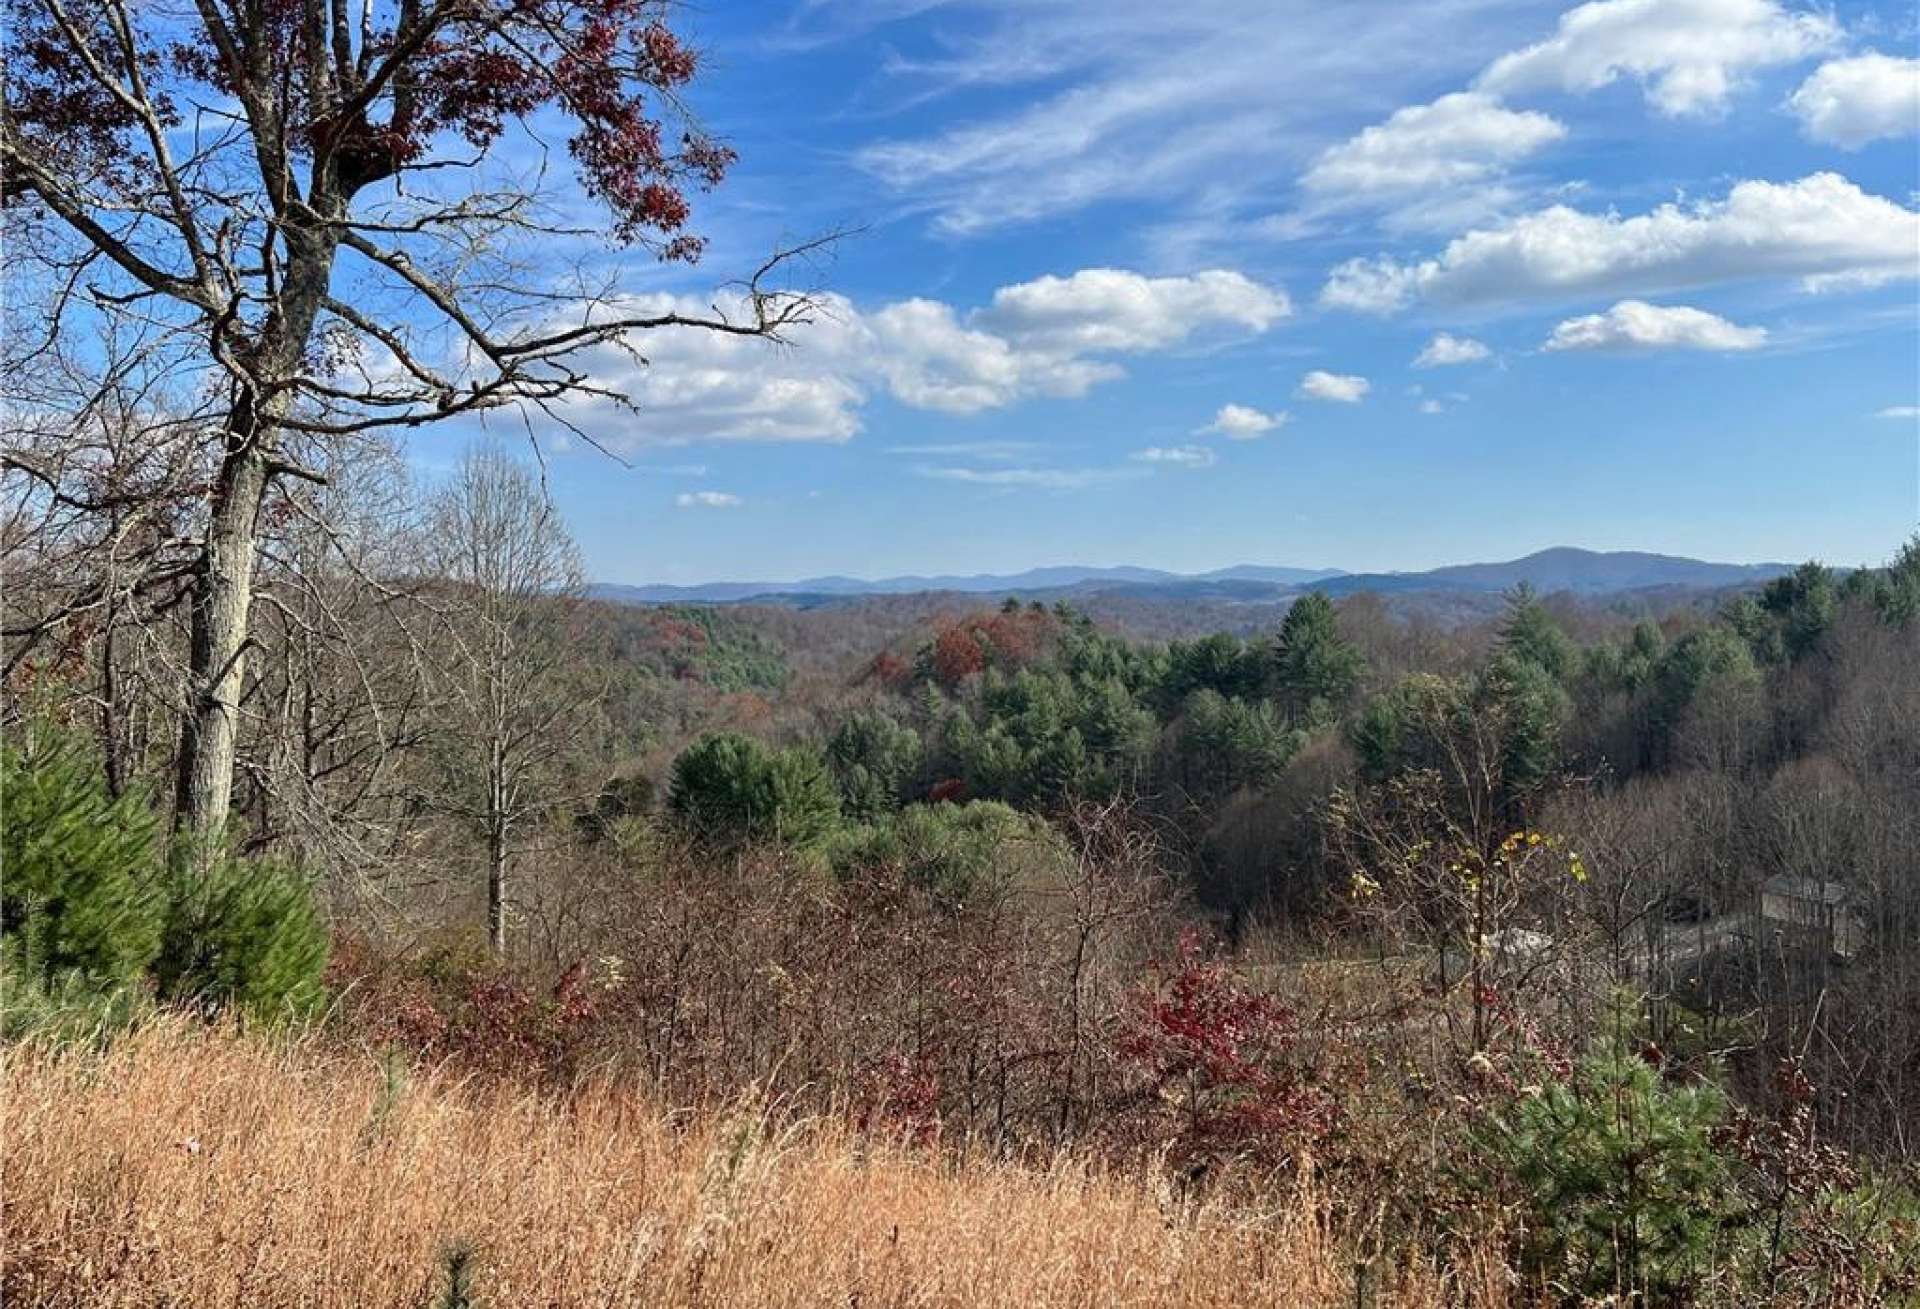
(1110, 310)
(1445, 350)
(930, 361)
(707, 500)
(1241, 423)
(698, 385)
(1689, 54)
(1436, 404)
(1459, 139)
(1900, 411)
(1338, 387)
(1637, 325)
(1054, 336)
(1036, 338)
(1849, 102)
(1185, 456)
(1822, 229)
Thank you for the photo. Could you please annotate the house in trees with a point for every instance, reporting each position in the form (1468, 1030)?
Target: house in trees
(1810, 913)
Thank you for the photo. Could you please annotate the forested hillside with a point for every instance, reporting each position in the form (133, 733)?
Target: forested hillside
(1244, 906)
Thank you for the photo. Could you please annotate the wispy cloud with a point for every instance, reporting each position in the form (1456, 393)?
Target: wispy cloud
(985, 451)
(1047, 479)
(708, 500)
(1153, 101)
(1182, 456)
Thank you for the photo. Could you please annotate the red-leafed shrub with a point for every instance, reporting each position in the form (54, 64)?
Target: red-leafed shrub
(1212, 1060)
(471, 1012)
(900, 1095)
(948, 790)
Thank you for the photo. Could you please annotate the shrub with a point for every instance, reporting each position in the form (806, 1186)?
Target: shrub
(81, 892)
(621, 800)
(1821, 1230)
(242, 933)
(458, 1004)
(960, 854)
(1214, 1063)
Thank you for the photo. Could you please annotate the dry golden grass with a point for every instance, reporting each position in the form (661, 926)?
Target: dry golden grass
(185, 1168)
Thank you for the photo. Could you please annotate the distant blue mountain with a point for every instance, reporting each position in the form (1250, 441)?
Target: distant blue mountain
(1062, 578)
(1584, 572)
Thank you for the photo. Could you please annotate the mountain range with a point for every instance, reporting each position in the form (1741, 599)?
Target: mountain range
(1563, 568)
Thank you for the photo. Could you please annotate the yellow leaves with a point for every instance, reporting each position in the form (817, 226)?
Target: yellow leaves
(1527, 839)
(1525, 842)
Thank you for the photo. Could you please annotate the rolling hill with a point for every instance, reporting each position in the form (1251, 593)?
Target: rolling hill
(1563, 568)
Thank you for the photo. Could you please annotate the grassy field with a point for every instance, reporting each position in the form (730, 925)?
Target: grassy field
(183, 1167)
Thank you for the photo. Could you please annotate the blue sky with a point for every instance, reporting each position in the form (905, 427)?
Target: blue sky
(1367, 285)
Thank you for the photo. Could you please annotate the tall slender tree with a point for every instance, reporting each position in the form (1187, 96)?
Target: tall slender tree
(331, 208)
(516, 701)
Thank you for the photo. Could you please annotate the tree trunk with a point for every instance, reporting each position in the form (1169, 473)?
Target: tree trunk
(223, 591)
(110, 730)
(497, 892)
(222, 609)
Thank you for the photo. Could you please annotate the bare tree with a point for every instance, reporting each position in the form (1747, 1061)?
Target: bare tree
(329, 209)
(514, 695)
(99, 477)
(337, 708)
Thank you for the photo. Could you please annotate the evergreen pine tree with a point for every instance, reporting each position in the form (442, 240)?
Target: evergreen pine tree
(79, 874)
(242, 933)
(1530, 633)
(1621, 1177)
(1315, 671)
